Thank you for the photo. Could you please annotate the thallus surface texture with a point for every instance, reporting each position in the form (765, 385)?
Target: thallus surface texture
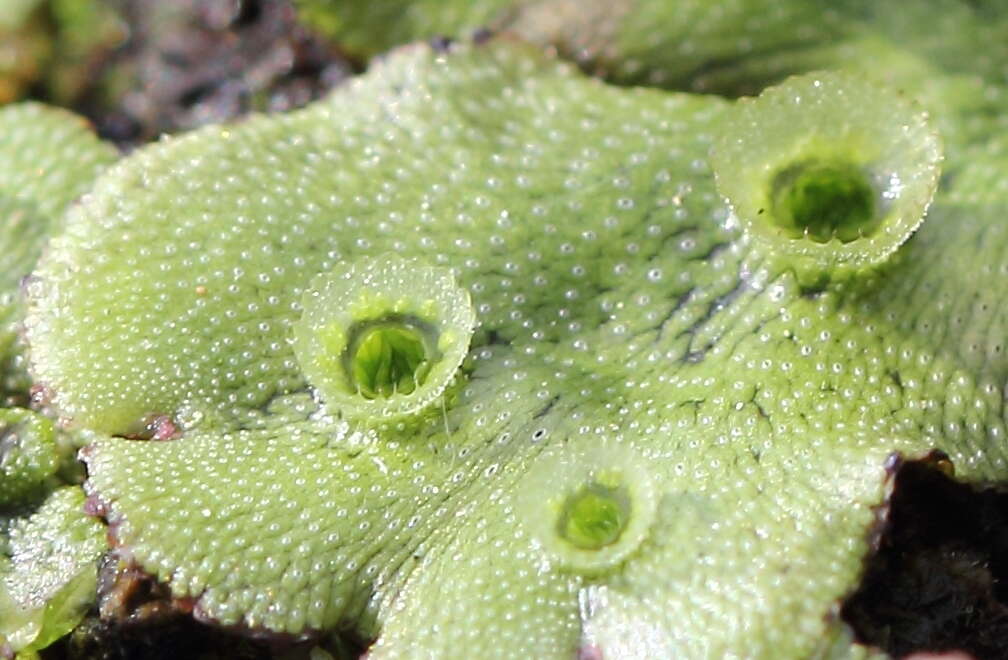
(481, 357)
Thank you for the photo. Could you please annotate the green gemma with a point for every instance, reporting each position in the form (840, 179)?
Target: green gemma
(825, 200)
(382, 338)
(594, 517)
(390, 356)
(589, 511)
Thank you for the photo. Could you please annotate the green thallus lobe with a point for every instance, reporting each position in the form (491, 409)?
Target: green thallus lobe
(768, 441)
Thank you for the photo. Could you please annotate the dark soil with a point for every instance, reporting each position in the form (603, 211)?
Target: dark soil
(137, 618)
(187, 63)
(939, 581)
(174, 639)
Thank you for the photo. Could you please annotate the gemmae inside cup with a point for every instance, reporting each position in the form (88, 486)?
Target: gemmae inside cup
(382, 338)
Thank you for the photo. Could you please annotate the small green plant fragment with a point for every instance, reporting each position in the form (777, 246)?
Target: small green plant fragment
(736, 48)
(49, 46)
(48, 158)
(384, 337)
(388, 358)
(49, 582)
(828, 173)
(23, 232)
(686, 44)
(823, 201)
(594, 517)
(25, 47)
(353, 24)
(81, 31)
(28, 454)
